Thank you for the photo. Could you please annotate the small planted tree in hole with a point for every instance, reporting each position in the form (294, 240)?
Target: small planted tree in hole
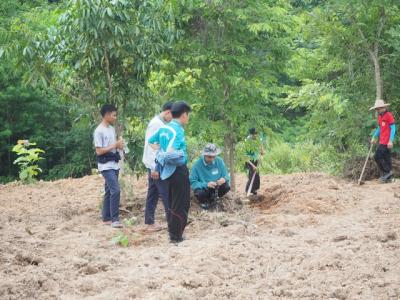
(121, 240)
(27, 160)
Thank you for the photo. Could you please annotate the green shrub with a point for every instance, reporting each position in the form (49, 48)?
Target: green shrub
(283, 158)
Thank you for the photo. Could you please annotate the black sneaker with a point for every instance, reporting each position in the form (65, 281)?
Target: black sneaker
(176, 241)
(387, 175)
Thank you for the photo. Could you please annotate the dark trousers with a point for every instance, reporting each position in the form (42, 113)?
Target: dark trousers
(112, 194)
(383, 158)
(207, 195)
(178, 202)
(256, 183)
(155, 189)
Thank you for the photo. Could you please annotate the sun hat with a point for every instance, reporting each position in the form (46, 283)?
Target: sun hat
(379, 103)
(210, 150)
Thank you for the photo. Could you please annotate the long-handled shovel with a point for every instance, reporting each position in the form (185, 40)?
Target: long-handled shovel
(251, 184)
(365, 164)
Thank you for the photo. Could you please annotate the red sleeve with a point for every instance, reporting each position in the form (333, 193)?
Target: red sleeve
(389, 118)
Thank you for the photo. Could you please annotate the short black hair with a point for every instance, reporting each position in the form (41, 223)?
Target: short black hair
(179, 108)
(167, 106)
(107, 108)
(252, 131)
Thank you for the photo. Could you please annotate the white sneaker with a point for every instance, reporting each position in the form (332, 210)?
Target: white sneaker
(116, 224)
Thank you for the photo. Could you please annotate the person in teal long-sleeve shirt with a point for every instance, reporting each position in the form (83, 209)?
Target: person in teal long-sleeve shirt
(209, 176)
(170, 141)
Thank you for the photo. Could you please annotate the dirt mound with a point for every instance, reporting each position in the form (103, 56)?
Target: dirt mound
(313, 193)
(353, 167)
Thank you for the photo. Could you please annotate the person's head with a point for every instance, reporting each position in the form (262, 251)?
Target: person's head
(109, 113)
(166, 111)
(381, 110)
(380, 106)
(180, 111)
(210, 152)
(253, 132)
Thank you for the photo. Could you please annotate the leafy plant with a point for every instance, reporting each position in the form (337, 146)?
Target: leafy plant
(121, 239)
(129, 222)
(27, 160)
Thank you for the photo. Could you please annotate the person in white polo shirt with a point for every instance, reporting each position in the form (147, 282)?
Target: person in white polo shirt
(156, 186)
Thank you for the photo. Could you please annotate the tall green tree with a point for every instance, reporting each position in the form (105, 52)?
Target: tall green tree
(342, 63)
(228, 65)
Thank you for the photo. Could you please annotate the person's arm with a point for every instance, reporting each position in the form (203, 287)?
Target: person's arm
(224, 173)
(154, 140)
(252, 165)
(392, 135)
(104, 150)
(377, 132)
(98, 143)
(392, 132)
(375, 135)
(195, 181)
(151, 130)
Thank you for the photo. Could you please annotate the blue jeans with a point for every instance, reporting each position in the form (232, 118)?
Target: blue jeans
(112, 196)
(156, 188)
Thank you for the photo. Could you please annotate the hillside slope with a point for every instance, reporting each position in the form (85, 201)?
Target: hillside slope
(311, 237)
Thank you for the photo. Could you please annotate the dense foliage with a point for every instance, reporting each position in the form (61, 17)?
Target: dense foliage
(304, 72)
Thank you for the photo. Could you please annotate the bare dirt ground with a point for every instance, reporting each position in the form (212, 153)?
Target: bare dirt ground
(311, 237)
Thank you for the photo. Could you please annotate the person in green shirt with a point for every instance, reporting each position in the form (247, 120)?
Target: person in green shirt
(255, 151)
(209, 176)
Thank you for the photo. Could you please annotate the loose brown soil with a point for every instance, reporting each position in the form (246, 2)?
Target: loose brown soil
(307, 236)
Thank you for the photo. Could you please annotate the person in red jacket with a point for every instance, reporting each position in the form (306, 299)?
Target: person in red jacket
(385, 133)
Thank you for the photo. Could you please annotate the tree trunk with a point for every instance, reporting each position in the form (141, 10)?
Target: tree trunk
(229, 153)
(373, 51)
(378, 79)
(229, 142)
(108, 74)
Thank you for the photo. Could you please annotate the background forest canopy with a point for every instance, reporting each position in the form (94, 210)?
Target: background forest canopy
(304, 72)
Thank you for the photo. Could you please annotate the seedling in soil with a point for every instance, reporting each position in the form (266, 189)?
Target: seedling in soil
(27, 160)
(129, 222)
(121, 240)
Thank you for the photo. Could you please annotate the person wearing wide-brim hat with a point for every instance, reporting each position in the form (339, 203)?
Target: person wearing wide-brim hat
(209, 176)
(385, 133)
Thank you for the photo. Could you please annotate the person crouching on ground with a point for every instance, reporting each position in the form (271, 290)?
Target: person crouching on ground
(171, 163)
(108, 156)
(385, 133)
(156, 187)
(209, 176)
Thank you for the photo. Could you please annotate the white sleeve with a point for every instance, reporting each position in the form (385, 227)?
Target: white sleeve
(98, 139)
(149, 154)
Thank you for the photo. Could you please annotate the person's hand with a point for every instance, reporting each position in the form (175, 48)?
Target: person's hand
(120, 144)
(155, 146)
(254, 168)
(212, 184)
(155, 175)
(221, 181)
(373, 141)
(390, 145)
